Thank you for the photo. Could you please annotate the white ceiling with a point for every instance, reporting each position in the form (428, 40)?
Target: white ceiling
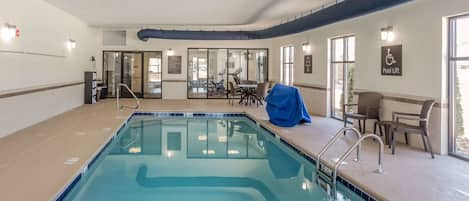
(203, 14)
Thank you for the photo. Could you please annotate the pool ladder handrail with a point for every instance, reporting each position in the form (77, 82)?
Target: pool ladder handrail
(319, 167)
(119, 107)
(344, 156)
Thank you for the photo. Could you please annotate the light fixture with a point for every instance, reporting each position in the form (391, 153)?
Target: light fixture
(170, 52)
(71, 44)
(9, 32)
(233, 152)
(202, 137)
(209, 152)
(387, 34)
(306, 47)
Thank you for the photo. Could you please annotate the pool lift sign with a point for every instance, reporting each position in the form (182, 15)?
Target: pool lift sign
(391, 60)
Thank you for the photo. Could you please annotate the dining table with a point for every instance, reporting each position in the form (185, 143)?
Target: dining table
(248, 93)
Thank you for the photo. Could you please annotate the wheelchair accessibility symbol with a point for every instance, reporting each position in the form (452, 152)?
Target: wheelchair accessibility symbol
(391, 60)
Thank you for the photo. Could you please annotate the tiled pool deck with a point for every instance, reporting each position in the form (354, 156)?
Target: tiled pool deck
(32, 160)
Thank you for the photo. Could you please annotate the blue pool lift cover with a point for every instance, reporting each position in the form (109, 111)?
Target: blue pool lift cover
(285, 106)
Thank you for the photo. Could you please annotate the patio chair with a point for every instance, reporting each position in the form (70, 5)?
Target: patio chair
(422, 128)
(233, 92)
(368, 108)
(261, 92)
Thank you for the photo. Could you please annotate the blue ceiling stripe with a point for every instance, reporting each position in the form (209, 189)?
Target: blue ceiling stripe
(341, 11)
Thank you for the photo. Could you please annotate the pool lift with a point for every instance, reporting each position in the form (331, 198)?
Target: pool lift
(327, 177)
(119, 106)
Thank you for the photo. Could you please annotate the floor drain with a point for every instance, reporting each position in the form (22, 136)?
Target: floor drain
(71, 161)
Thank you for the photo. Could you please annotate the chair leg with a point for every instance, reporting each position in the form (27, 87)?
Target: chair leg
(374, 128)
(393, 142)
(380, 131)
(364, 126)
(429, 144)
(345, 124)
(424, 143)
(360, 126)
(406, 138)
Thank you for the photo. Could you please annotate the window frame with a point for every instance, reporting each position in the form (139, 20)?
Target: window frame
(345, 62)
(451, 62)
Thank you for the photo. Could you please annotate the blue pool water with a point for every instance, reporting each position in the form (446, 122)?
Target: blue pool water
(199, 159)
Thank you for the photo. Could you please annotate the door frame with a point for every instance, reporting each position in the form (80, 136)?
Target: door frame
(142, 53)
(345, 71)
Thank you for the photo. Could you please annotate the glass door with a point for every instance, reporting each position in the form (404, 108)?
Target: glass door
(112, 67)
(132, 73)
(217, 73)
(459, 85)
(257, 65)
(197, 73)
(342, 73)
(152, 85)
(237, 64)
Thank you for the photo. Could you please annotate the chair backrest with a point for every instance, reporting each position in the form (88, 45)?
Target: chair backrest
(261, 90)
(427, 107)
(369, 102)
(231, 87)
(236, 79)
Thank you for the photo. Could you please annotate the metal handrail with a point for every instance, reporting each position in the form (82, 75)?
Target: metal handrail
(335, 138)
(131, 92)
(349, 151)
(330, 143)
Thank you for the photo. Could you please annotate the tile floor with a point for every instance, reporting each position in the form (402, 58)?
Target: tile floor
(32, 160)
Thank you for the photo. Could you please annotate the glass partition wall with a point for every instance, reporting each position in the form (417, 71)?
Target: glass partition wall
(211, 69)
(141, 71)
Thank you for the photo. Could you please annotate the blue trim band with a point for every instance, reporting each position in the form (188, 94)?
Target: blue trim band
(338, 12)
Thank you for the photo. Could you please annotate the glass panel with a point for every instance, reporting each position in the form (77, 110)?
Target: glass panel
(461, 107)
(197, 73)
(237, 64)
(462, 37)
(132, 73)
(350, 83)
(152, 75)
(351, 49)
(258, 68)
(217, 139)
(338, 87)
(217, 83)
(111, 71)
(338, 49)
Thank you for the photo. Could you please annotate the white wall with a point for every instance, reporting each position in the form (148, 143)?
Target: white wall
(421, 29)
(175, 90)
(44, 29)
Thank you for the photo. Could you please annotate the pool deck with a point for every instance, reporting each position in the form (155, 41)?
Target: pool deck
(32, 160)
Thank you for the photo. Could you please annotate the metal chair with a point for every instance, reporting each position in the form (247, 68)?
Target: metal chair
(422, 128)
(232, 92)
(261, 92)
(368, 108)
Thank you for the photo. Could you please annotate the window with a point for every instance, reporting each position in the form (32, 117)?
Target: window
(342, 73)
(286, 60)
(459, 85)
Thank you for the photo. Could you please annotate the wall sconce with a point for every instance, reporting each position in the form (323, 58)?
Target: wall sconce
(387, 34)
(306, 47)
(71, 44)
(9, 32)
(170, 52)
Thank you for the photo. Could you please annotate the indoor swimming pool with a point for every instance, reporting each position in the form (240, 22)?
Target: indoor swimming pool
(200, 157)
